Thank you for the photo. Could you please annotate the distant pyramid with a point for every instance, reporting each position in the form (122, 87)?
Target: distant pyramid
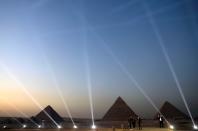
(51, 112)
(119, 111)
(171, 112)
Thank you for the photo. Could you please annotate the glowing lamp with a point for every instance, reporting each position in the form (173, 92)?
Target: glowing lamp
(59, 127)
(93, 127)
(195, 127)
(75, 127)
(171, 127)
(24, 126)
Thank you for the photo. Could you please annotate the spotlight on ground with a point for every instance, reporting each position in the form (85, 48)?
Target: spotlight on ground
(171, 127)
(195, 127)
(39, 126)
(4, 127)
(59, 127)
(24, 126)
(75, 127)
(93, 127)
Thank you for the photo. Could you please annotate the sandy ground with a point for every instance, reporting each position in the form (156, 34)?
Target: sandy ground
(102, 129)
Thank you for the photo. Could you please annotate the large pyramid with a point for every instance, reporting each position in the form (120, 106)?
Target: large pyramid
(119, 111)
(43, 115)
(171, 112)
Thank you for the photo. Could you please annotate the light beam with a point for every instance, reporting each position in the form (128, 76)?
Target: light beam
(140, 17)
(55, 81)
(12, 76)
(22, 113)
(89, 85)
(130, 76)
(167, 58)
(87, 66)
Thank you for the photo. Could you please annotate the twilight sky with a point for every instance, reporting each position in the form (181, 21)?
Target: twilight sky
(72, 44)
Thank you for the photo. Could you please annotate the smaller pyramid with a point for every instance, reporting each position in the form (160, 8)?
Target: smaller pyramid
(119, 111)
(43, 115)
(171, 112)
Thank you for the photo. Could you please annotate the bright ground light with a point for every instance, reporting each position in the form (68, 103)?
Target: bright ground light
(24, 126)
(75, 127)
(59, 127)
(171, 127)
(93, 127)
(195, 127)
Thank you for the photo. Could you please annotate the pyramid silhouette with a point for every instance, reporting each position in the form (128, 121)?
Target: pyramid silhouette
(119, 111)
(51, 112)
(171, 112)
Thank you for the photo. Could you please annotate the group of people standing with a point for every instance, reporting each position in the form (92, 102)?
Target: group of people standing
(132, 122)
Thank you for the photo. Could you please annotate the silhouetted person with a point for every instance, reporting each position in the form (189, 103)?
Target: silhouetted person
(134, 122)
(130, 122)
(161, 121)
(139, 123)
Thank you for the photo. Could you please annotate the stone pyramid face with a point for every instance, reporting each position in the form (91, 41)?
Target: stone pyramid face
(171, 112)
(52, 113)
(119, 111)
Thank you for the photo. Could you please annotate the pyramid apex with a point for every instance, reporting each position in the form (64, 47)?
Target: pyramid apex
(48, 106)
(168, 105)
(167, 102)
(119, 111)
(119, 98)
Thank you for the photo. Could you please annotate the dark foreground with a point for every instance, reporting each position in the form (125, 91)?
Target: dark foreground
(101, 129)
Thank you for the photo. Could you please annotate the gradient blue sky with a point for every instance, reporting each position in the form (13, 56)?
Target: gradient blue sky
(36, 35)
